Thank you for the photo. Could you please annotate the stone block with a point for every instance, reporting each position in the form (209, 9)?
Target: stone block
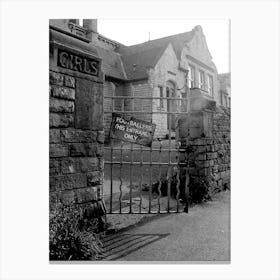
(76, 136)
(215, 167)
(63, 92)
(61, 106)
(88, 164)
(58, 150)
(56, 78)
(89, 105)
(83, 150)
(201, 149)
(223, 174)
(68, 166)
(100, 137)
(100, 150)
(94, 178)
(72, 181)
(69, 81)
(212, 155)
(201, 157)
(54, 183)
(208, 148)
(225, 180)
(86, 194)
(61, 120)
(68, 196)
(54, 135)
(54, 167)
(209, 163)
(101, 163)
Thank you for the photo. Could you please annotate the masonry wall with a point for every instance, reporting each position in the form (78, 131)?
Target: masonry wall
(76, 155)
(76, 134)
(209, 157)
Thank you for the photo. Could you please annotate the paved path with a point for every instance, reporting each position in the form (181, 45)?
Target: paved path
(201, 235)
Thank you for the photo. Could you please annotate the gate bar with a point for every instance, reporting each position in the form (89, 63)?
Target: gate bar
(130, 176)
(121, 182)
(141, 178)
(159, 177)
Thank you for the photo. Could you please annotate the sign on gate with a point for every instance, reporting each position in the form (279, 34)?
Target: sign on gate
(132, 130)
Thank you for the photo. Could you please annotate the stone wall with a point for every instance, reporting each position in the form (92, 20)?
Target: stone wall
(76, 133)
(209, 157)
(205, 135)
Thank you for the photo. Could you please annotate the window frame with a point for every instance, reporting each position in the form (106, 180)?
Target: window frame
(210, 84)
(201, 82)
(191, 78)
(161, 94)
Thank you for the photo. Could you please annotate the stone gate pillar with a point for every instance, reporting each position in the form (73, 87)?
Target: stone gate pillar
(76, 121)
(198, 153)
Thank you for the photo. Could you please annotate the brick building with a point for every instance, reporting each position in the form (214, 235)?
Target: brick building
(178, 66)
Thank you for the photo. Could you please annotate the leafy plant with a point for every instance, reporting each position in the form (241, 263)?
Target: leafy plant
(199, 189)
(69, 239)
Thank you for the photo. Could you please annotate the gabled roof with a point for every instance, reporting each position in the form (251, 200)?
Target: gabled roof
(132, 62)
(138, 58)
(136, 64)
(177, 41)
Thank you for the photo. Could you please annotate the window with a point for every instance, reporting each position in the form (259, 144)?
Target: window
(161, 95)
(210, 84)
(191, 77)
(201, 81)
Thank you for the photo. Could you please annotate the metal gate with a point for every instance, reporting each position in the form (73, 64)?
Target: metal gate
(140, 179)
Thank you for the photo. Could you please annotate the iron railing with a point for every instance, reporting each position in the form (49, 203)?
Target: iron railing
(115, 204)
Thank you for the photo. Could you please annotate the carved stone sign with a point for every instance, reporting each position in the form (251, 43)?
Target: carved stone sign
(132, 130)
(80, 63)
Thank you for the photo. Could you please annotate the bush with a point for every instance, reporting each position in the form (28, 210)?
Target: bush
(69, 239)
(199, 189)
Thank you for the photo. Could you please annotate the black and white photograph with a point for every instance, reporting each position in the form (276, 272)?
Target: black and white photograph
(139, 142)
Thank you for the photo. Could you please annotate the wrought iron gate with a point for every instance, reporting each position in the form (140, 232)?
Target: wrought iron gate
(140, 179)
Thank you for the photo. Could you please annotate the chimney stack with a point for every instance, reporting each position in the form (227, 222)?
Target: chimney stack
(91, 26)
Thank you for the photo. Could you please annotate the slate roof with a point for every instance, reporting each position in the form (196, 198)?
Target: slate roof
(131, 62)
(136, 64)
(111, 63)
(138, 58)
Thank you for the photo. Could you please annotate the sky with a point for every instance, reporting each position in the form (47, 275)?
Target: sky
(130, 32)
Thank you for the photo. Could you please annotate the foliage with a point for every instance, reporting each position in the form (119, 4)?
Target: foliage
(199, 189)
(69, 239)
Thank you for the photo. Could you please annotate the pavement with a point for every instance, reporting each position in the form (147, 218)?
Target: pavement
(202, 235)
